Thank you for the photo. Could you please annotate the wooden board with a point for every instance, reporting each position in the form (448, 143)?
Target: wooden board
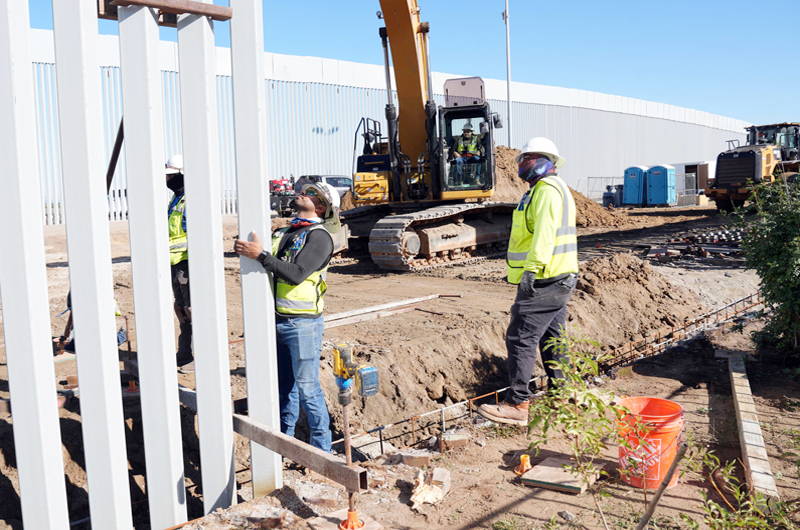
(550, 474)
(754, 449)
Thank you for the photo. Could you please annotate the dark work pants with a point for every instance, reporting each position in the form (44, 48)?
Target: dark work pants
(180, 289)
(534, 321)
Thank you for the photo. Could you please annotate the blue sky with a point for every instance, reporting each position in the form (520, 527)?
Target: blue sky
(726, 57)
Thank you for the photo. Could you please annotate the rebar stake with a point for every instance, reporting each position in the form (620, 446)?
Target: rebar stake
(352, 522)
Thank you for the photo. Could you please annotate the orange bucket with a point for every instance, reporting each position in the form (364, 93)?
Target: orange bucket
(653, 433)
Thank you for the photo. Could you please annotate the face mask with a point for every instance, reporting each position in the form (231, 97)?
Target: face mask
(175, 183)
(532, 170)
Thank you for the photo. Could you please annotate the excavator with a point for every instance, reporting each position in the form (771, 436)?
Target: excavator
(771, 153)
(415, 207)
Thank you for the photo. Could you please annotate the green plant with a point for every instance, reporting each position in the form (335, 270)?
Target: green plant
(771, 243)
(738, 509)
(508, 523)
(575, 411)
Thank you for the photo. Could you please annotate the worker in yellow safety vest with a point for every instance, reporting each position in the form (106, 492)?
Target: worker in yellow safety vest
(543, 261)
(468, 149)
(179, 261)
(299, 260)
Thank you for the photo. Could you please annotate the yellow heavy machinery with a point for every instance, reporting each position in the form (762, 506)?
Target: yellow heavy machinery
(771, 153)
(415, 206)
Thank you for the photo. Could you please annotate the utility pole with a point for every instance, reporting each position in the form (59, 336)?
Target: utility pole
(508, 72)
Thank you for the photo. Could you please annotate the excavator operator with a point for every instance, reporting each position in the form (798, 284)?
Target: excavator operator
(467, 149)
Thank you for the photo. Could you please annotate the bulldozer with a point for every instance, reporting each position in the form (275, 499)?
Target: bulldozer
(771, 153)
(415, 206)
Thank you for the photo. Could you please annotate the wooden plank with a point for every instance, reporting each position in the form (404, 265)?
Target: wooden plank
(376, 308)
(368, 316)
(550, 474)
(754, 450)
(152, 292)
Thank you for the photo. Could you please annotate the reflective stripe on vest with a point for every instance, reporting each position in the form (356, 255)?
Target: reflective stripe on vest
(306, 298)
(565, 251)
(178, 244)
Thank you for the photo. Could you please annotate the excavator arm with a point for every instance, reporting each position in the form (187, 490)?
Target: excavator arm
(409, 58)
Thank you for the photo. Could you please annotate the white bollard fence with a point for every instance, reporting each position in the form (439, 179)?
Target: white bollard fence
(23, 282)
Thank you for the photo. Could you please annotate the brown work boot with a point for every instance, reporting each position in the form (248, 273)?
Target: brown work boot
(506, 413)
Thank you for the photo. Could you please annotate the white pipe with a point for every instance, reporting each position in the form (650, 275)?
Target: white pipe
(508, 72)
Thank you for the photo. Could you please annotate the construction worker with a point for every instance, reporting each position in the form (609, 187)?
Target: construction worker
(466, 150)
(299, 262)
(179, 261)
(543, 261)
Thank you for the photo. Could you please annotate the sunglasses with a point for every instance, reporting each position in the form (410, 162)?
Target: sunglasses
(311, 192)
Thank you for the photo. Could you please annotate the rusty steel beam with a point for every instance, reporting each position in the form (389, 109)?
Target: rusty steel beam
(179, 7)
(354, 478)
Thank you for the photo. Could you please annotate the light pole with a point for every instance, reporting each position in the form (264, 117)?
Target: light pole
(508, 72)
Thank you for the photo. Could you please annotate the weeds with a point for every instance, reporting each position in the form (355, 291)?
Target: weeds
(508, 523)
(738, 508)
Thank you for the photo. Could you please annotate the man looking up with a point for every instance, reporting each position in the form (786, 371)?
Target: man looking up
(543, 261)
(299, 262)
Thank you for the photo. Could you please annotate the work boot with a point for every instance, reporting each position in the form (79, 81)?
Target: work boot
(506, 413)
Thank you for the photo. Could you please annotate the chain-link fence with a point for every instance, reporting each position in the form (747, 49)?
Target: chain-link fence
(596, 186)
(686, 188)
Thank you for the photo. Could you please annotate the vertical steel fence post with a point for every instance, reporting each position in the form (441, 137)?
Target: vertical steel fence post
(196, 58)
(23, 284)
(83, 171)
(152, 295)
(250, 134)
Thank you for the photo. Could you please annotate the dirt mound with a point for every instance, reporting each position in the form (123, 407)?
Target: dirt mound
(347, 202)
(589, 213)
(621, 298)
(510, 188)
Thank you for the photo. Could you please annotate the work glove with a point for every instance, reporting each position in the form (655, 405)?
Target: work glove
(526, 284)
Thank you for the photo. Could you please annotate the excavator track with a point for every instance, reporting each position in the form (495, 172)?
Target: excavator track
(442, 236)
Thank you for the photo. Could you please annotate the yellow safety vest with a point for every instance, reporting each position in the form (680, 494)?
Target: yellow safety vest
(306, 298)
(178, 244)
(564, 257)
(471, 147)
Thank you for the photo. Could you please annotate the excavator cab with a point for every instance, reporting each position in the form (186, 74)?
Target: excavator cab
(470, 170)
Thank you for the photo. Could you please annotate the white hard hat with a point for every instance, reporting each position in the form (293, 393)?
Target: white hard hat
(543, 146)
(467, 127)
(174, 165)
(329, 197)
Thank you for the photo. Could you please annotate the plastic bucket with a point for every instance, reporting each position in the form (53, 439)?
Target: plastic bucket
(653, 432)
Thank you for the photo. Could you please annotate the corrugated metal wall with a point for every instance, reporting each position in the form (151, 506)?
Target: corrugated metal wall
(312, 128)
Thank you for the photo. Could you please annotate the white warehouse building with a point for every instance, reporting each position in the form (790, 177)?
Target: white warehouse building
(314, 107)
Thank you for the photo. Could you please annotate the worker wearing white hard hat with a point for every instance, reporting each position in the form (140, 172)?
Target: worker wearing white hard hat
(542, 260)
(299, 260)
(179, 261)
(467, 149)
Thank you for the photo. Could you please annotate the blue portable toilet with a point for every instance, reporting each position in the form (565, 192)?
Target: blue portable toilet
(661, 185)
(634, 189)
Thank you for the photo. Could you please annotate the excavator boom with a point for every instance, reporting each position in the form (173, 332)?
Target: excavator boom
(409, 57)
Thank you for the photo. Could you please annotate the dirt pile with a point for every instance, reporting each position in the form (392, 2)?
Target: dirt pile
(510, 188)
(347, 202)
(622, 298)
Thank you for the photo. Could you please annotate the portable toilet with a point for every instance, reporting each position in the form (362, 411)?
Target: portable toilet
(661, 185)
(634, 188)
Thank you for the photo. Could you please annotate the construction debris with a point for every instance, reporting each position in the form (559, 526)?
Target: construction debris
(430, 487)
(416, 458)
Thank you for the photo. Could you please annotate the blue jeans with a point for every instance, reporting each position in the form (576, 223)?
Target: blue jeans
(461, 160)
(299, 345)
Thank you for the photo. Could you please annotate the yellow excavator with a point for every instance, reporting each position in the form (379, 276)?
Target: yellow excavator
(417, 207)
